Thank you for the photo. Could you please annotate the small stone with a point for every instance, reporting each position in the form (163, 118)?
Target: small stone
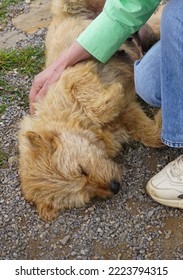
(54, 246)
(168, 234)
(150, 213)
(12, 160)
(119, 256)
(65, 240)
(100, 231)
(90, 209)
(73, 253)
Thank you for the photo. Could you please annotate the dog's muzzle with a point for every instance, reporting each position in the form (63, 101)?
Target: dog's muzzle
(114, 186)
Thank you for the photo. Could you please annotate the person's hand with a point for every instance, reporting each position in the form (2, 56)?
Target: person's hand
(42, 82)
(46, 78)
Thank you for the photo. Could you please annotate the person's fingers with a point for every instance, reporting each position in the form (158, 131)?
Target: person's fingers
(36, 86)
(31, 109)
(42, 92)
(35, 98)
(40, 87)
(35, 89)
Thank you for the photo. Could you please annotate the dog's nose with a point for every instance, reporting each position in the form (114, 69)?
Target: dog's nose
(114, 186)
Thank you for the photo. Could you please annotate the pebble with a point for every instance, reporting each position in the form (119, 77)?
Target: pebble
(168, 234)
(65, 240)
(13, 160)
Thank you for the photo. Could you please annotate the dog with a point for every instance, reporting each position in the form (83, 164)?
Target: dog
(67, 148)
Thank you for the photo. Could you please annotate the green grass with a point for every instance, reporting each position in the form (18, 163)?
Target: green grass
(3, 108)
(4, 9)
(27, 62)
(14, 63)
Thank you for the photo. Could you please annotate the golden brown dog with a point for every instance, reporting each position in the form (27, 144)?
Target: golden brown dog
(67, 147)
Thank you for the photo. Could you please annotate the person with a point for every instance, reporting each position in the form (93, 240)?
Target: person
(158, 75)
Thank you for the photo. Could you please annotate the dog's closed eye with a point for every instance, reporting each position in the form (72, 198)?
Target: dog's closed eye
(83, 170)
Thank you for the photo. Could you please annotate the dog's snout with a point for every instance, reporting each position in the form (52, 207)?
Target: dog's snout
(114, 186)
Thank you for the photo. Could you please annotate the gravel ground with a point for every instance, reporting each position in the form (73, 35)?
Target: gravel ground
(128, 226)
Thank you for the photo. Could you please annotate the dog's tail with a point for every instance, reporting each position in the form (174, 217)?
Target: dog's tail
(91, 8)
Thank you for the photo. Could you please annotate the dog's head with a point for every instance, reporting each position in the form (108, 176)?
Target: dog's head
(65, 171)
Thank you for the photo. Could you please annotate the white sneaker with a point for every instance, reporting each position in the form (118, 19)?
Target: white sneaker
(166, 187)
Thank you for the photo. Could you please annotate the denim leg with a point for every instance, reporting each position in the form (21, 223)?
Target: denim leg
(172, 73)
(147, 76)
(159, 75)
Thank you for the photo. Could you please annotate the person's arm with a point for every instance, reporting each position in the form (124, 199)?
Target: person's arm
(51, 74)
(118, 20)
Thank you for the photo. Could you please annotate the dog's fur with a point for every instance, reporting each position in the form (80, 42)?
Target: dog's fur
(67, 147)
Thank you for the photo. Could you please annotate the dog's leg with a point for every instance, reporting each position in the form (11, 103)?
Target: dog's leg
(141, 127)
(47, 212)
(102, 105)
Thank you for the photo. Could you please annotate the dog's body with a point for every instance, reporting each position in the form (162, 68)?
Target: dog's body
(66, 148)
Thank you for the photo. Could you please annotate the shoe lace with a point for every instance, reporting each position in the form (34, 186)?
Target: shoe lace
(177, 168)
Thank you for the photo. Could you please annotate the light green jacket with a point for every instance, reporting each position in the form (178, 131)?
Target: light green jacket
(118, 20)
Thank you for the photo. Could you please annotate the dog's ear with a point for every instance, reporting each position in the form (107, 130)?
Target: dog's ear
(34, 139)
(45, 141)
(52, 141)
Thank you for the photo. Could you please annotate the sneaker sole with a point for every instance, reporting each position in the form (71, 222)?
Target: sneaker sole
(170, 203)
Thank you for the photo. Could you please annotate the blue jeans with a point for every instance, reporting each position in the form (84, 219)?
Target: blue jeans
(159, 75)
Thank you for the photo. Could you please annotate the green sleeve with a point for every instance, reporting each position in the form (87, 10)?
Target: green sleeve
(118, 20)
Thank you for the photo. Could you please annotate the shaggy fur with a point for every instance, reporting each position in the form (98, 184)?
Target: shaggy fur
(67, 147)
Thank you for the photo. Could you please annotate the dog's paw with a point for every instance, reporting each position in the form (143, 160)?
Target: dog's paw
(47, 213)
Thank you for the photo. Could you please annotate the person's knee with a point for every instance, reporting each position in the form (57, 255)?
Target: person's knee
(146, 88)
